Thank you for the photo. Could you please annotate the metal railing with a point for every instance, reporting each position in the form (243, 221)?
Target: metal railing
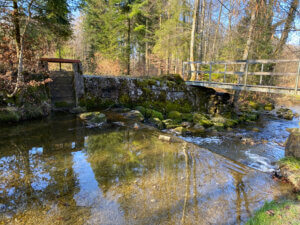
(243, 73)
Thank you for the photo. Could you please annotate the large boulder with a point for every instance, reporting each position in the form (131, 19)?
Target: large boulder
(293, 144)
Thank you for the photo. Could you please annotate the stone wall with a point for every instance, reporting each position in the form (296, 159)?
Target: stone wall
(164, 94)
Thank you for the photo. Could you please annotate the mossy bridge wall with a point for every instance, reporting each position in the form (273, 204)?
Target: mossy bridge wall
(164, 94)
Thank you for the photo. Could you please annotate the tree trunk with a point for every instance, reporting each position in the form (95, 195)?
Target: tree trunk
(206, 45)
(201, 31)
(217, 31)
(16, 22)
(192, 43)
(128, 45)
(248, 44)
(287, 27)
(146, 50)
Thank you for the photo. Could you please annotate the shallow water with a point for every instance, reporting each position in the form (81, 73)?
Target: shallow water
(258, 150)
(56, 171)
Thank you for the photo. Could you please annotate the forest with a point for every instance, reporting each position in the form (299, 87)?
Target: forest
(145, 37)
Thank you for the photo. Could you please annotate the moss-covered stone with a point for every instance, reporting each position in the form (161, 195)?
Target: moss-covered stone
(180, 130)
(269, 107)
(196, 129)
(231, 122)
(187, 117)
(157, 122)
(285, 113)
(93, 117)
(170, 124)
(175, 115)
(219, 126)
(134, 115)
(253, 105)
(156, 114)
(202, 120)
(141, 109)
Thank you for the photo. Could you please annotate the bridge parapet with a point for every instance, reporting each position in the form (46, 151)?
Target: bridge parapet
(207, 74)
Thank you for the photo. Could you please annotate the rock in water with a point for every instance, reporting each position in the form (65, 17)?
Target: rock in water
(134, 115)
(93, 117)
(293, 144)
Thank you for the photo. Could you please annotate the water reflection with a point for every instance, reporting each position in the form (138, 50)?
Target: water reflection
(66, 174)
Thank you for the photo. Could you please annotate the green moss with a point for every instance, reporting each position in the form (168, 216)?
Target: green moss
(9, 115)
(269, 107)
(283, 212)
(141, 109)
(92, 103)
(94, 117)
(231, 122)
(170, 124)
(63, 104)
(253, 105)
(202, 120)
(180, 130)
(251, 116)
(157, 122)
(180, 106)
(175, 115)
(187, 117)
(146, 91)
(291, 163)
(125, 100)
(156, 114)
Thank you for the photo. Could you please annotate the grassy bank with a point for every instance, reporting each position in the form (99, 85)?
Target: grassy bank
(278, 212)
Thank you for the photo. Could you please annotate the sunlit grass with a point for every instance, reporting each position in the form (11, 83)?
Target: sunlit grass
(290, 163)
(285, 212)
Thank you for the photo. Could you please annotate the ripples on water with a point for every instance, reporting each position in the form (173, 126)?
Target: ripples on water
(267, 147)
(58, 172)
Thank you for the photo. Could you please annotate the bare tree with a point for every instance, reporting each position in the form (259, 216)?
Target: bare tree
(193, 33)
(287, 27)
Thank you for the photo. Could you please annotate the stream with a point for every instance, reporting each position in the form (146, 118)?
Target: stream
(57, 171)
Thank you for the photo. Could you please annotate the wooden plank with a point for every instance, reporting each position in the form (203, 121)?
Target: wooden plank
(56, 60)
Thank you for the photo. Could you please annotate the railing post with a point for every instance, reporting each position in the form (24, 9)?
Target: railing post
(197, 68)
(210, 69)
(225, 73)
(297, 78)
(190, 70)
(262, 70)
(182, 73)
(246, 74)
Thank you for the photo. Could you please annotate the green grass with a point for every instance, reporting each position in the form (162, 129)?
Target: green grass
(277, 213)
(290, 163)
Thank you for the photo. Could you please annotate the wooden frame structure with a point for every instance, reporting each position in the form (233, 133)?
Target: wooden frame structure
(242, 75)
(78, 82)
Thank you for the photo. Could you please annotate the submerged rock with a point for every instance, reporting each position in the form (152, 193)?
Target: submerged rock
(93, 117)
(134, 115)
